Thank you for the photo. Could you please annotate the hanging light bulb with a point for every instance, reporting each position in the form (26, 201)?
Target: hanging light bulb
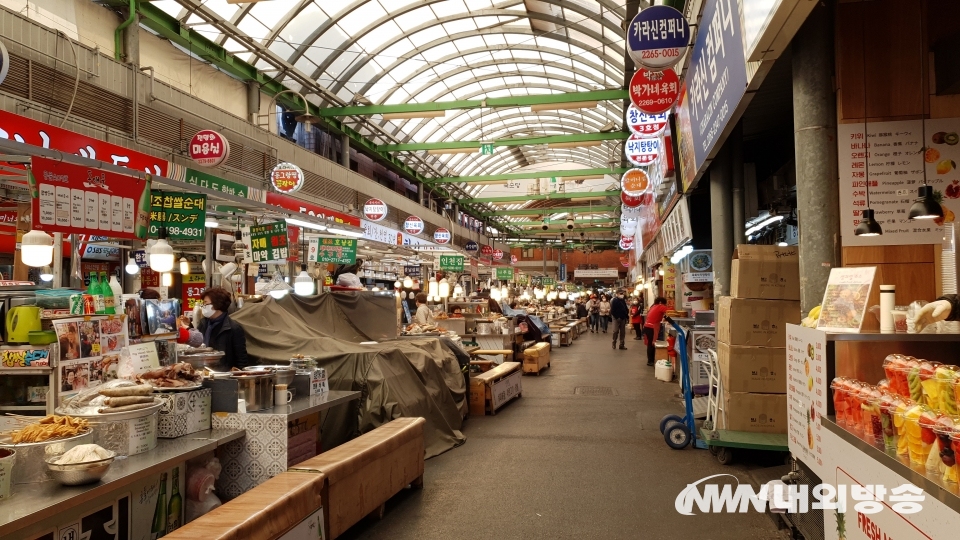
(278, 293)
(211, 222)
(184, 266)
(303, 285)
(166, 279)
(563, 295)
(397, 284)
(407, 282)
(495, 294)
(411, 296)
(433, 288)
(457, 291)
(161, 256)
(444, 288)
(131, 266)
(46, 274)
(36, 249)
(504, 292)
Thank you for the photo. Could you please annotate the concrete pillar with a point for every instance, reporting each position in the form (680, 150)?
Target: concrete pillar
(420, 192)
(345, 150)
(815, 141)
(736, 167)
(721, 221)
(131, 42)
(253, 101)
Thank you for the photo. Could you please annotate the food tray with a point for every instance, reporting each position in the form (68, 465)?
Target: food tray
(30, 466)
(127, 433)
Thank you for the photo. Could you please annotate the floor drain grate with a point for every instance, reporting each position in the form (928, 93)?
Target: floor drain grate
(595, 391)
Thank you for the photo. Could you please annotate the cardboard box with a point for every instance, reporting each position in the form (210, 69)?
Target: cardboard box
(765, 272)
(752, 369)
(755, 323)
(755, 413)
(536, 358)
(183, 413)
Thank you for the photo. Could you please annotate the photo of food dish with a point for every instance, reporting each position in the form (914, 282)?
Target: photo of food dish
(112, 344)
(112, 326)
(704, 342)
(701, 262)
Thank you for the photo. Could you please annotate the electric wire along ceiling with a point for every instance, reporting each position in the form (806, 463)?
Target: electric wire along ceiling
(424, 51)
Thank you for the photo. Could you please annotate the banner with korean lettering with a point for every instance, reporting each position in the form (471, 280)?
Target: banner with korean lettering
(194, 286)
(202, 179)
(268, 243)
(505, 274)
(73, 199)
(181, 214)
(334, 250)
(716, 79)
(451, 263)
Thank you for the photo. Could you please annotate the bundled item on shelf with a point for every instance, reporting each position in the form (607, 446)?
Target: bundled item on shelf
(49, 428)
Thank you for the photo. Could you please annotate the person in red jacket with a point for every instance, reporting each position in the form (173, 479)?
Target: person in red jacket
(636, 318)
(651, 328)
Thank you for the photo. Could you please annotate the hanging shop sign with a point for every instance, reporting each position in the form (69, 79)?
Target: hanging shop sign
(310, 209)
(4, 63)
(335, 250)
(676, 230)
(717, 75)
(641, 151)
(375, 210)
(413, 225)
(442, 236)
(635, 182)
(181, 214)
(634, 201)
(471, 246)
(654, 92)
(287, 178)
(486, 250)
(412, 271)
(687, 155)
(194, 285)
(513, 259)
(208, 148)
(657, 37)
(630, 212)
(451, 263)
(645, 125)
(505, 274)
(497, 254)
(548, 281)
(73, 199)
(202, 179)
(595, 273)
(626, 242)
(269, 242)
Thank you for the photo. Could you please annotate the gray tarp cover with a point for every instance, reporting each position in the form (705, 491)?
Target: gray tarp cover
(397, 378)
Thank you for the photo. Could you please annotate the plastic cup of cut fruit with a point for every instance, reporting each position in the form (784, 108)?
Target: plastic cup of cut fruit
(947, 466)
(889, 403)
(908, 378)
(946, 377)
(929, 386)
(920, 421)
(839, 388)
(890, 365)
(900, 424)
(872, 430)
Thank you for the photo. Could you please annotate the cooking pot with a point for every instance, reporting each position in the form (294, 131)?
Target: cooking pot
(256, 388)
(281, 374)
(22, 320)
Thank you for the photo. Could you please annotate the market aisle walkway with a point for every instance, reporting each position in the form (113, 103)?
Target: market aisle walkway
(555, 464)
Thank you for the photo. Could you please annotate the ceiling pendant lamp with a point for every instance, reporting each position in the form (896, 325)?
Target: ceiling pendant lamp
(926, 205)
(161, 255)
(868, 225)
(36, 249)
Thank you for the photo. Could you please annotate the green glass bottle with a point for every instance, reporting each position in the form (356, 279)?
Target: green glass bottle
(107, 292)
(159, 527)
(94, 290)
(175, 508)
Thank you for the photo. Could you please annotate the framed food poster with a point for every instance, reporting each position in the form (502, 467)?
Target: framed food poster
(845, 299)
(89, 350)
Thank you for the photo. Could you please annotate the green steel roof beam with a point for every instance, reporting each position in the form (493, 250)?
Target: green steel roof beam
(570, 231)
(507, 101)
(580, 220)
(518, 141)
(527, 175)
(553, 210)
(545, 197)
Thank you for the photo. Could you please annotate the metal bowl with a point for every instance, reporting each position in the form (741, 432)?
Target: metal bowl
(30, 456)
(78, 474)
(202, 360)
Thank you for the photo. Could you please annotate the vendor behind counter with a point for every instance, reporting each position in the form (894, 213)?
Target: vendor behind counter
(220, 332)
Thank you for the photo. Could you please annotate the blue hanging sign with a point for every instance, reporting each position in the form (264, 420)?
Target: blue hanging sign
(471, 246)
(657, 37)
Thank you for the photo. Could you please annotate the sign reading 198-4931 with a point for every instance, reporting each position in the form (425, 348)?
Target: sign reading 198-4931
(269, 242)
(182, 215)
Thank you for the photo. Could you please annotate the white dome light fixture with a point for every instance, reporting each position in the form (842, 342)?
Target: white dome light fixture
(433, 288)
(166, 279)
(211, 222)
(184, 266)
(457, 291)
(161, 256)
(444, 289)
(46, 274)
(36, 249)
(131, 266)
(303, 285)
(407, 282)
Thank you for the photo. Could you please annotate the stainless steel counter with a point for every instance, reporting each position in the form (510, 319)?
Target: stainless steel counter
(33, 503)
(304, 405)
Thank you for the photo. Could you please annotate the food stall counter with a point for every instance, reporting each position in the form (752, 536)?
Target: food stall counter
(43, 510)
(303, 405)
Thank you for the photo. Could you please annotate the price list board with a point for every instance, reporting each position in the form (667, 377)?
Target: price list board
(268, 243)
(807, 393)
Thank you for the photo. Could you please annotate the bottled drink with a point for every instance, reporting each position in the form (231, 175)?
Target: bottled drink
(107, 292)
(142, 222)
(94, 290)
(176, 503)
(159, 527)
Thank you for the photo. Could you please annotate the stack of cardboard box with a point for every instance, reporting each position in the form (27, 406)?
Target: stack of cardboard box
(752, 331)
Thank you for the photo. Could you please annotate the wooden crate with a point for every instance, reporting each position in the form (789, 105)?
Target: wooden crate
(536, 358)
(492, 389)
(566, 336)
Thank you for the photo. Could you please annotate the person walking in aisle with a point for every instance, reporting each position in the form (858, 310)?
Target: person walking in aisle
(620, 314)
(651, 328)
(593, 307)
(604, 313)
(636, 318)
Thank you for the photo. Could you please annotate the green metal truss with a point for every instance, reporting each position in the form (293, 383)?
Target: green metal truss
(526, 175)
(576, 231)
(508, 101)
(553, 210)
(519, 141)
(582, 221)
(170, 28)
(547, 197)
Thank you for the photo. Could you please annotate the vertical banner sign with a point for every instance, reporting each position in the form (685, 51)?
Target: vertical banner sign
(717, 76)
(505, 274)
(182, 214)
(193, 287)
(73, 199)
(657, 37)
(336, 250)
(269, 242)
(806, 393)
(451, 263)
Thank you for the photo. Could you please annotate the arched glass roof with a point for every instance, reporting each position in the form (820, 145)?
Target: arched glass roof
(421, 51)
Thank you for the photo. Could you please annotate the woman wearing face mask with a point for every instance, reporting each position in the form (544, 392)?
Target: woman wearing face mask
(220, 332)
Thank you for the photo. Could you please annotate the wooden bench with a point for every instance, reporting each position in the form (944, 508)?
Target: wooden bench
(362, 474)
(573, 328)
(265, 512)
(484, 365)
(507, 354)
(492, 389)
(536, 358)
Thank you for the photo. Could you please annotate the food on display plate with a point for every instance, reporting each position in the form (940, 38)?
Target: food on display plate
(50, 428)
(704, 342)
(441, 316)
(83, 453)
(107, 399)
(178, 376)
(700, 262)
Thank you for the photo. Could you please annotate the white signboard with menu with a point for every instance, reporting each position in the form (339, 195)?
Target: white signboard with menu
(806, 394)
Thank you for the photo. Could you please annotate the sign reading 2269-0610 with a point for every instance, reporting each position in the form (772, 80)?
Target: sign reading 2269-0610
(657, 37)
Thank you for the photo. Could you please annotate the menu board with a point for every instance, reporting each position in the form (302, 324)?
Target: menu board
(89, 350)
(896, 172)
(334, 250)
(182, 215)
(269, 242)
(845, 299)
(806, 393)
(941, 158)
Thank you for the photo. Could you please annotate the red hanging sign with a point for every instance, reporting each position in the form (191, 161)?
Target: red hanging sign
(209, 148)
(654, 92)
(310, 209)
(73, 199)
(486, 250)
(497, 254)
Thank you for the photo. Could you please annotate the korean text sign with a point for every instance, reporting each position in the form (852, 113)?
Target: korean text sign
(194, 286)
(717, 75)
(505, 274)
(182, 214)
(269, 242)
(71, 199)
(657, 36)
(452, 263)
(203, 179)
(337, 250)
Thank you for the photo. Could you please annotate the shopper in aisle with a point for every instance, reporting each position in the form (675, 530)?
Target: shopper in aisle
(582, 309)
(636, 318)
(220, 332)
(604, 311)
(593, 307)
(620, 314)
(651, 328)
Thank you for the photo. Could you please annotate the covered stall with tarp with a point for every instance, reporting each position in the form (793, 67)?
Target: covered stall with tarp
(344, 332)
